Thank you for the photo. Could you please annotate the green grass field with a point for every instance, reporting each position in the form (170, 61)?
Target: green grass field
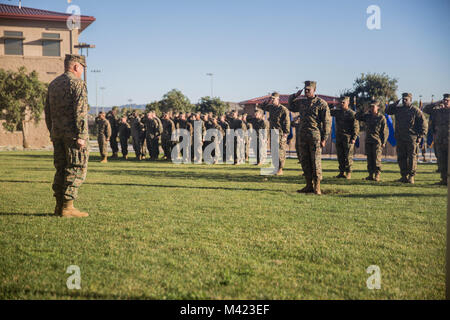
(165, 231)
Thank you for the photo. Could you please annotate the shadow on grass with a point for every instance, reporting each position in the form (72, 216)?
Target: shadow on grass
(390, 195)
(27, 214)
(156, 186)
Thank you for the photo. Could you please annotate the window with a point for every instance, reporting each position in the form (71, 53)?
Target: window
(13, 42)
(51, 45)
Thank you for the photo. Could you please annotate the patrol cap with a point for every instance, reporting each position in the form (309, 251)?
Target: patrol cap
(446, 95)
(75, 58)
(310, 84)
(406, 95)
(275, 94)
(345, 98)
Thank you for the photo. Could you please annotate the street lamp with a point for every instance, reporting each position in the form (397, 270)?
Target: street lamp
(103, 96)
(212, 76)
(96, 71)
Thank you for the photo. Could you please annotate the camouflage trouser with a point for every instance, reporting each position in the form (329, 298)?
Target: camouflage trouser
(167, 146)
(344, 153)
(407, 157)
(374, 153)
(124, 145)
(113, 142)
(137, 146)
(153, 147)
(71, 168)
(297, 144)
(311, 157)
(442, 146)
(283, 146)
(102, 146)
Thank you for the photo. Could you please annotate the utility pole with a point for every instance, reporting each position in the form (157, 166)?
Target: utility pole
(212, 84)
(96, 71)
(103, 98)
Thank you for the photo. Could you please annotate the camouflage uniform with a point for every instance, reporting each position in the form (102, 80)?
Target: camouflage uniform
(347, 130)
(239, 140)
(314, 127)
(124, 134)
(166, 137)
(377, 133)
(279, 120)
(225, 126)
(137, 131)
(103, 135)
(153, 130)
(440, 130)
(66, 110)
(187, 125)
(114, 122)
(410, 126)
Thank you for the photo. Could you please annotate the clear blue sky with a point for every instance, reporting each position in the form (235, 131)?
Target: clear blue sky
(146, 48)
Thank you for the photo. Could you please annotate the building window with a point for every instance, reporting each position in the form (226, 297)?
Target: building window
(13, 42)
(51, 45)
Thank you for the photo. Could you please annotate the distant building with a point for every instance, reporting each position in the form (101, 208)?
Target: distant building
(38, 40)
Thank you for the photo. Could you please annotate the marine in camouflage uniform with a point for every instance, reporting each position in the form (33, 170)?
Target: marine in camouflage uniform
(137, 131)
(347, 131)
(184, 123)
(440, 112)
(314, 128)
(410, 127)
(237, 124)
(103, 135)
(166, 137)
(153, 131)
(124, 135)
(113, 119)
(377, 133)
(279, 120)
(66, 110)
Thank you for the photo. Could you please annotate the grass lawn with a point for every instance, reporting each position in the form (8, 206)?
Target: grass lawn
(165, 231)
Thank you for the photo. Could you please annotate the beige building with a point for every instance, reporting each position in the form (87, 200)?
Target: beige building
(38, 40)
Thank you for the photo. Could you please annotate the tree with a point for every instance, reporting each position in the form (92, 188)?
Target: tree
(153, 106)
(175, 100)
(373, 86)
(22, 99)
(214, 105)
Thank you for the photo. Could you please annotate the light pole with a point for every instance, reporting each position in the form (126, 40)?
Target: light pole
(212, 84)
(96, 71)
(103, 98)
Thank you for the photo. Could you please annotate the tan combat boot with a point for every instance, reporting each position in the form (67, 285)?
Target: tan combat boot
(69, 211)
(104, 160)
(279, 172)
(309, 187)
(377, 176)
(348, 175)
(316, 186)
(410, 179)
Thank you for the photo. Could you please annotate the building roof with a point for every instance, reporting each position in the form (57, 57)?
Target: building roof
(284, 98)
(14, 12)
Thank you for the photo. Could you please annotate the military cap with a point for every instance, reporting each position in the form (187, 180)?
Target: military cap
(310, 84)
(345, 98)
(76, 58)
(405, 95)
(275, 94)
(446, 95)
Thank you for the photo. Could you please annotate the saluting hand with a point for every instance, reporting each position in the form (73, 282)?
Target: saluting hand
(81, 143)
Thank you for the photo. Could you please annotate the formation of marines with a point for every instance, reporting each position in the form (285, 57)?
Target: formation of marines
(66, 118)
